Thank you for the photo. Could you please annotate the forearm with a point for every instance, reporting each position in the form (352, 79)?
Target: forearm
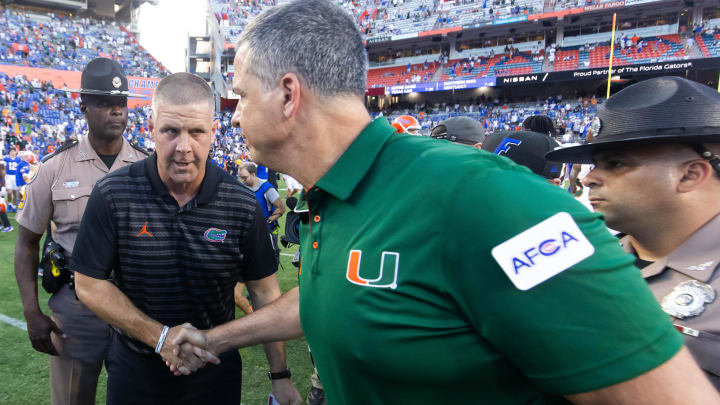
(109, 303)
(279, 210)
(274, 351)
(26, 265)
(278, 321)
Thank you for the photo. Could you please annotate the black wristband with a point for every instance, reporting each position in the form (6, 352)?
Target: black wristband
(279, 375)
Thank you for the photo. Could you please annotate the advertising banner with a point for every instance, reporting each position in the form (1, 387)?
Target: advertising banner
(458, 84)
(604, 6)
(510, 20)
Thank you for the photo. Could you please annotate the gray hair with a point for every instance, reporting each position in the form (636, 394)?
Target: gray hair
(315, 39)
(182, 89)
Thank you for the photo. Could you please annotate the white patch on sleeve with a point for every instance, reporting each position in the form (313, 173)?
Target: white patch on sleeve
(543, 251)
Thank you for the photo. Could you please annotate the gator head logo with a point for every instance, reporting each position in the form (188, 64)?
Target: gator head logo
(215, 235)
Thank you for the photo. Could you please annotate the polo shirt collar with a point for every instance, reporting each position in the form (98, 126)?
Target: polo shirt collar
(344, 176)
(207, 188)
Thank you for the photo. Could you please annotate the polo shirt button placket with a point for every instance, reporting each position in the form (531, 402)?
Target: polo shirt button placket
(314, 227)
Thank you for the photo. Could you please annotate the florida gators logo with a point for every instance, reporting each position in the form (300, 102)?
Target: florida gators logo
(505, 146)
(215, 235)
(388, 270)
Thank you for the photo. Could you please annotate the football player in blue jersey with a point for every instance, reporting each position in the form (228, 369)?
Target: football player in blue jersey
(12, 164)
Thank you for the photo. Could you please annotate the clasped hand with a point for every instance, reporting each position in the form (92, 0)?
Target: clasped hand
(185, 350)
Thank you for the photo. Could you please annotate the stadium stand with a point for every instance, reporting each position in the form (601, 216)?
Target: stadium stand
(385, 18)
(571, 117)
(709, 44)
(396, 75)
(474, 12)
(665, 48)
(68, 43)
(36, 116)
(497, 65)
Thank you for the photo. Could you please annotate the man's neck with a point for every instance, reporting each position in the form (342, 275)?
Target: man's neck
(182, 192)
(323, 138)
(105, 146)
(652, 243)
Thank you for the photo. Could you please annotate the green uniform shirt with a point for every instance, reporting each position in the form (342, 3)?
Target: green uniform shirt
(402, 302)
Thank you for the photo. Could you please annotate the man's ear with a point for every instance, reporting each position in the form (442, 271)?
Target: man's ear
(290, 87)
(694, 174)
(83, 107)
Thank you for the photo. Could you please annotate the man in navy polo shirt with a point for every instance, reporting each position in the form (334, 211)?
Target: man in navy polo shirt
(175, 233)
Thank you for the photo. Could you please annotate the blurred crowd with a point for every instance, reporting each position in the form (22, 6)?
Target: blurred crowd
(69, 43)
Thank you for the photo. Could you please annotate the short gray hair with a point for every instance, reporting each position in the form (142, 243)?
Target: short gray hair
(182, 89)
(315, 39)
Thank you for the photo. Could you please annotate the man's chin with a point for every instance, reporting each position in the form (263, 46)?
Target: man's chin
(110, 134)
(183, 177)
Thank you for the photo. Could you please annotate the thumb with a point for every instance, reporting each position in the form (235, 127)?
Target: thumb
(181, 337)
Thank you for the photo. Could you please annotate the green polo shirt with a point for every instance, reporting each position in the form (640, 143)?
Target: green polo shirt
(402, 301)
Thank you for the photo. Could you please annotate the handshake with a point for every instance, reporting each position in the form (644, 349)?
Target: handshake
(186, 350)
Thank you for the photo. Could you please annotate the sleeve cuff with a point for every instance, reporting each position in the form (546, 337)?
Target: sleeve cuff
(617, 370)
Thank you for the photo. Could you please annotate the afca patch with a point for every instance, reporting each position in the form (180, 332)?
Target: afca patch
(543, 251)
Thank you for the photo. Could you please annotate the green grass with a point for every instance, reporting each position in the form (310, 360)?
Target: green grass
(24, 373)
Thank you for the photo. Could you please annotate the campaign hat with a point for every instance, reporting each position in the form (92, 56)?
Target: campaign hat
(661, 110)
(459, 129)
(104, 77)
(525, 148)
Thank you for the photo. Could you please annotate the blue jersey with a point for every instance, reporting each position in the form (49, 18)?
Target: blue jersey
(12, 165)
(22, 170)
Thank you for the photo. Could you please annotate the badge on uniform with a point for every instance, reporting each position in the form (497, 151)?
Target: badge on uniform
(701, 266)
(34, 169)
(71, 184)
(688, 299)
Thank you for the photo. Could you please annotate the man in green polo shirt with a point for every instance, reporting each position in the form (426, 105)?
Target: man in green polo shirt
(487, 286)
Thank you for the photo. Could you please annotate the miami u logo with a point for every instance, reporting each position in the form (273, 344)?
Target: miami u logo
(388, 270)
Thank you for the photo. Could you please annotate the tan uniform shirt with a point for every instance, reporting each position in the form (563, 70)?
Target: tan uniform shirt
(698, 258)
(62, 186)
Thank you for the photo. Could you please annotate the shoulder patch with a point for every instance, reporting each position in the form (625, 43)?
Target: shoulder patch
(543, 251)
(33, 172)
(140, 149)
(65, 146)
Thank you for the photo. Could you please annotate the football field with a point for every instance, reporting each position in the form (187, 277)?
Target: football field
(24, 377)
